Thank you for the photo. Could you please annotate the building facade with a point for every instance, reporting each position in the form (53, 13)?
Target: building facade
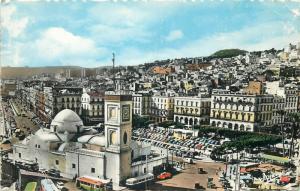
(291, 98)
(92, 107)
(141, 104)
(192, 110)
(67, 98)
(75, 150)
(241, 112)
(161, 108)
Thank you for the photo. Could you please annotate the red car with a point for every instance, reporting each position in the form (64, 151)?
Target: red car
(164, 175)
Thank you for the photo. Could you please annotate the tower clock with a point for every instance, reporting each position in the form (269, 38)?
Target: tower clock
(118, 130)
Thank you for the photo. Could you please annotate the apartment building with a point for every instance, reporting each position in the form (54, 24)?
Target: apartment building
(289, 92)
(141, 104)
(92, 107)
(241, 112)
(67, 98)
(161, 108)
(192, 110)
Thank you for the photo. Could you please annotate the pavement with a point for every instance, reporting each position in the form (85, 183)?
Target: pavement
(187, 178)
(24, 123)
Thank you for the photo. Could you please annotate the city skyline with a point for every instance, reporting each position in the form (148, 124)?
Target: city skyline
(86, 33)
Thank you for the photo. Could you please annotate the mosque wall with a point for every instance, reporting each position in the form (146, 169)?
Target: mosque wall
(138, 169)
(57, 161)
(113, 167)
(125, 165)
(91, 166)
(72, 165)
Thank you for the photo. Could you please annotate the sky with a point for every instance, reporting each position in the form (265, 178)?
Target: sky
(86, 33)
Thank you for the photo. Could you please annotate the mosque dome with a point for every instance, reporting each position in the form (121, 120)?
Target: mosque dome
(67, 121)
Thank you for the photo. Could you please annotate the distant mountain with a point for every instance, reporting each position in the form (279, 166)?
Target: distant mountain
(227, 53)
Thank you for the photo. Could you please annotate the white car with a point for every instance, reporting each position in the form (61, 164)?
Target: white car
(59, 185)
(188, 160)
(42, 170)
(199, 157)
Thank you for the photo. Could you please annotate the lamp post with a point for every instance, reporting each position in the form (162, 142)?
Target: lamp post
(282, 114)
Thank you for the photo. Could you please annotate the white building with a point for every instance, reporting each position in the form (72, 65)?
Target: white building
(192, 110)
(141, 104)
(92, 107)
(278, 107)
(241, 112)
(289, 92)
(48, 101)
(161, 108)
(76, 150)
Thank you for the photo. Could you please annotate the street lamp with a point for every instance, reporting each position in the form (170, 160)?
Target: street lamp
(282, 113)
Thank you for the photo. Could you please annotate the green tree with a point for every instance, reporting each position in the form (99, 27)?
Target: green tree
(293, 120)
(140, 122)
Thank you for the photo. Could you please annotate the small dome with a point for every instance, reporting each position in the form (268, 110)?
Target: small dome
(46, 136)
(67, 121)
(92, 139)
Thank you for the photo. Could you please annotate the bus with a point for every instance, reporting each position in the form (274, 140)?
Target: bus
(140, 181)
(91, 183)
(48, 185)
(31, 186)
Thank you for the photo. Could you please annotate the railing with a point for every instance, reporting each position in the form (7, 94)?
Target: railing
(85, 152)
(148, 160)
(118, 92)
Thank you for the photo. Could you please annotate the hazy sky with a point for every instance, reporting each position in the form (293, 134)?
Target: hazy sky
(86, 33)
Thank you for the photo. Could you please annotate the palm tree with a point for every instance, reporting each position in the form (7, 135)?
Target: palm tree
(282, 113)
(294, 118)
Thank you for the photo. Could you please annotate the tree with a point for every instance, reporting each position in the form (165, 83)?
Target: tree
(140, 122)
(282, 113)
(294, 119)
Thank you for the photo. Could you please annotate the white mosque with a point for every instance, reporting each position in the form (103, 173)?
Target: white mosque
(76, 150)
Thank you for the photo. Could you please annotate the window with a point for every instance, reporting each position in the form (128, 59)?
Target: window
(144, 170)
(92, 170)
(73, 165)
(125, 138)
(20, 155)
(56, 162)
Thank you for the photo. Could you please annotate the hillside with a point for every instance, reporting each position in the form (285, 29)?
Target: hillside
(24, 72)
(227, 53)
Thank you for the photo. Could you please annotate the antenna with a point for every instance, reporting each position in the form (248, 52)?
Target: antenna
(114, 77)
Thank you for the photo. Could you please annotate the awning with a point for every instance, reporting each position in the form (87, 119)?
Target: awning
(246, 177)
(243, 170)
(276, 158)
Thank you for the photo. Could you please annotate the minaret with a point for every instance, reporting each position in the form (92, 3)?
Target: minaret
(118, 130)
(114, 74)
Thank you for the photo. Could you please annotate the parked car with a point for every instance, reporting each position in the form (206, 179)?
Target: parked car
(188, 160)
(42, 170)
(59, 185)
(54, 173)
(164, 175)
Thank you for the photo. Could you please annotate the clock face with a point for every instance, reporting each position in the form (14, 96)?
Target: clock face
(125, 112)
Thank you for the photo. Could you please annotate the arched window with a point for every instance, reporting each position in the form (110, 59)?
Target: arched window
(125, 138)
